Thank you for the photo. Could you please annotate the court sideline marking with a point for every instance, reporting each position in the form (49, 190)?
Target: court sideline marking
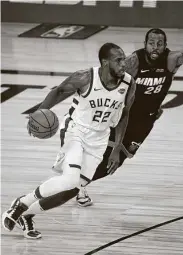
(131, 235)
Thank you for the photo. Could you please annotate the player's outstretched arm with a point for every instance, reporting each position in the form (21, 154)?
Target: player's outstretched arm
(132, 64)
(121, 129)
(175, 60)
(78, 81)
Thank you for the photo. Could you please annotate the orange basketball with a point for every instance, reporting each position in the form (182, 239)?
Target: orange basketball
(43, 123)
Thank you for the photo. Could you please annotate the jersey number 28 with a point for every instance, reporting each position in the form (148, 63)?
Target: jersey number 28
(151, 90)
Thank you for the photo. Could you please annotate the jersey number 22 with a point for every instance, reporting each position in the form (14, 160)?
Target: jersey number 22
(98, 116)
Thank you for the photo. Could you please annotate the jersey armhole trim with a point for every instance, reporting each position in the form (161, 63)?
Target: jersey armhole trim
(90, 86)
(127, 78)
(127, 93)
(128, 83)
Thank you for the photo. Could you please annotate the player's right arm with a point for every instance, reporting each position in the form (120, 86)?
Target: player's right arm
(132, 64)
(175, 60)
(78, 81)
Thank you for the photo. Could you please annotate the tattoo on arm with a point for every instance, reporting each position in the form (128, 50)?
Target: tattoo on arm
(67, 88)
(75, 81)
(132, 63)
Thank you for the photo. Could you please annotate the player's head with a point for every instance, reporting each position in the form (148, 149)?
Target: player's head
(155, 43)
(112, 59)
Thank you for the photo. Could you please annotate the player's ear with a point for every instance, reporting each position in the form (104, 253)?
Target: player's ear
(104, 62)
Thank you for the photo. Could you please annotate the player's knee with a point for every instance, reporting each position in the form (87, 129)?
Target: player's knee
(74, 183)
(72, 176)
(71, 181)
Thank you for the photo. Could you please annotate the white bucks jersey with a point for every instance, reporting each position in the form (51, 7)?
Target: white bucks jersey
(100, 108)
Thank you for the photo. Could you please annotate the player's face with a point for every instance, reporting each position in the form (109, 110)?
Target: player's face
(116, 63)
(155, 46)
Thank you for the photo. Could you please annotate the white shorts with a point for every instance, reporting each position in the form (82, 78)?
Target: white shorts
(81, 147)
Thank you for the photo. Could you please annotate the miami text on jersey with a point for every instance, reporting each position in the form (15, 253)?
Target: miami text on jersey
(151, 81)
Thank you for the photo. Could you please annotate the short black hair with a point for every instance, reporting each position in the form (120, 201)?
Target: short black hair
(156, 31)
(105, 49)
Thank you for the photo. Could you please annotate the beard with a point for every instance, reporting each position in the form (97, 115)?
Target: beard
(154, 59)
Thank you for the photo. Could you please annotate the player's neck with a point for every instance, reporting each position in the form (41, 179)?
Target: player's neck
(106, 78)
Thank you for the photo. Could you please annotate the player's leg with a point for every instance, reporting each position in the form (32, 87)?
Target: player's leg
(58, 199)
(50, 202)
(65, 185)
(26, 222)
(136, 136)
(136, 133)
(27, 225)
(83, 199)
(90, 163)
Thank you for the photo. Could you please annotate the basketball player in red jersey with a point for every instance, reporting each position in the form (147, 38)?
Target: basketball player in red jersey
(103, 97)
(153, 68)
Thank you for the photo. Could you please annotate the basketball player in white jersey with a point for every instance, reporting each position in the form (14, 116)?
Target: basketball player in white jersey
(103, 97)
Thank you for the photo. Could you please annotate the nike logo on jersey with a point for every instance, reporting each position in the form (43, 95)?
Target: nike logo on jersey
(144, 71)
(95, 89)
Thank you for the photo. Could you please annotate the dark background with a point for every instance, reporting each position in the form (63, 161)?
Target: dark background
(166, 14)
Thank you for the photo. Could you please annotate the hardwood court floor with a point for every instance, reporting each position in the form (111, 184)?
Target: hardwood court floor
(146, 191)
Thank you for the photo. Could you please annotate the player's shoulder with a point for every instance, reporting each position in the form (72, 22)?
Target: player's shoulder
(76, 81)
(82, 76)
(132, 58)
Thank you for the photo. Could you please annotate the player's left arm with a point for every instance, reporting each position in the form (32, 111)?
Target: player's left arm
(175, 60)
(113, 162)
(122, 125)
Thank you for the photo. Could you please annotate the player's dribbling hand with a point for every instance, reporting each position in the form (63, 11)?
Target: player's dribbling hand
(28, 128)
(113, 162)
